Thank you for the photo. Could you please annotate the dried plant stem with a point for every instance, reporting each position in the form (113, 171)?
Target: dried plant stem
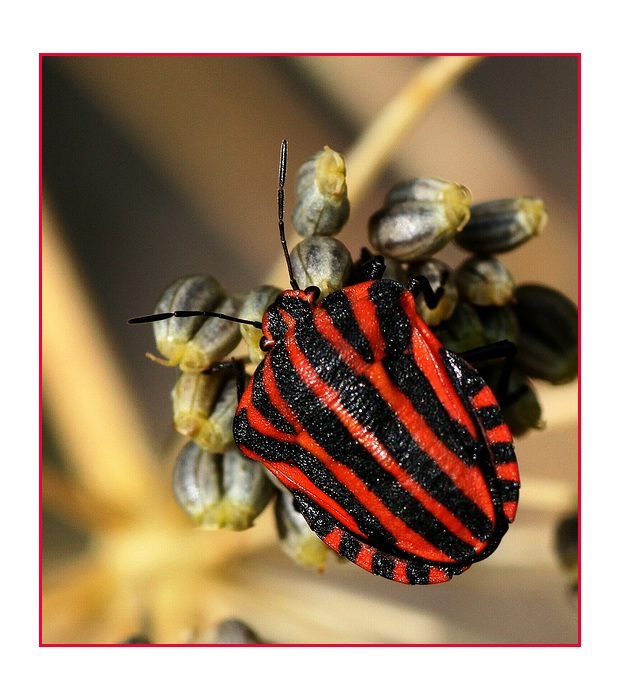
(84, 390)
(74, 504)
(377, 143)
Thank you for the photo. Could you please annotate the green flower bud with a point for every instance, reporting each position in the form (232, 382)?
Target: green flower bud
(521, 408)
(566, 546)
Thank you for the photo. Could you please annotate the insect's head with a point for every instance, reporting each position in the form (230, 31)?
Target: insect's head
(289, 308)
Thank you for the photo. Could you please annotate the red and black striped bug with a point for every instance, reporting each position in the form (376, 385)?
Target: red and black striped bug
(394, 448)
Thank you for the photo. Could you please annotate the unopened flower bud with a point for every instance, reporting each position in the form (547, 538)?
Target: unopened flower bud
(566, 545)
(429, 189)
(484, 281)
(501, 225)
(321, 262)
(296, 537)
(204, 406)
(215, 339)
(230, 631)
(463, 330)
(253, 309)
(419, 219)
(225, 491)
(499, 323)
(322, 206)
(194, 293)
(548, 342)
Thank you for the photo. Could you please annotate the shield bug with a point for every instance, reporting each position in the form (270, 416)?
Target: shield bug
(394, 448)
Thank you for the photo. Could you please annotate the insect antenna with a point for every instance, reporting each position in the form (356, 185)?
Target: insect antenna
(281, 179)
(151, 318)
(185, 314)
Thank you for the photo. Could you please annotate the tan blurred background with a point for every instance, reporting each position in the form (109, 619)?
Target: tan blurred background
(158, 167)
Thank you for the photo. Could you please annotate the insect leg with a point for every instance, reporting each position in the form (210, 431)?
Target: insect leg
(420, 285)
(503, 349)
(373, 268)
(237, 365)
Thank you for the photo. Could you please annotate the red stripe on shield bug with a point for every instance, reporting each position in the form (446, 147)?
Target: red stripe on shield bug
(394, 448)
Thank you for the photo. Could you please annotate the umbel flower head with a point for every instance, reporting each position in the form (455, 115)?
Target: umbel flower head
(376, 462)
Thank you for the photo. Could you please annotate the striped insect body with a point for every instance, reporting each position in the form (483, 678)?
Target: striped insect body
(393, 447)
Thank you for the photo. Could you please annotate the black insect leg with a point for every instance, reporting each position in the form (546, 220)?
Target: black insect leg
(420, 285)
(238, 368)
(503, 349)
(372, 268)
